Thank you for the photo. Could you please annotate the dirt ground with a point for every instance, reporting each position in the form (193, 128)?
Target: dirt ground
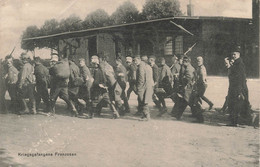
(161, 142)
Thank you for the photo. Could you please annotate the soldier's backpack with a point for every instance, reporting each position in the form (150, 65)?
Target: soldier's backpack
(62, 70)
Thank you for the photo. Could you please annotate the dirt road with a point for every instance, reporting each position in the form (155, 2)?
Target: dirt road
(37, 140)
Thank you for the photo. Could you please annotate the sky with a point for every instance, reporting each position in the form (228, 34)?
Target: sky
(16, 15)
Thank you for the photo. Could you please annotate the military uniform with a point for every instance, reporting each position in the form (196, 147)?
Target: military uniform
(201, 83)
(121, 75)
(42, 83)
(131, 73)
(73, 86)
(187, 96)
(175, 70)
(164, 71)
(85, 89)
(59, 88)
(99, 95)
(144, 87)
(26, 87)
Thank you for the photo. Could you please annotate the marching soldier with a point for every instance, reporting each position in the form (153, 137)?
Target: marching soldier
(186, 95)
(175, 69)
(121, 75)
(60, 73)
(201, 81)
(164, 73)
(26, 84)
(11, 79)
(99, 92)
(42, 83)
(131, 73)
(84, 90)
(144, 87)
(75, 81)
(155, 69)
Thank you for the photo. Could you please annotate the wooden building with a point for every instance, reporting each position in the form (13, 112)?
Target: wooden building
(209, 37)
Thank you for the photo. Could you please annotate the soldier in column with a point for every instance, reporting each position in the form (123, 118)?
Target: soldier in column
(11, 79)
(84, 90)
(26, 85)
(144, 87)
(42, 83)
(60, 73)
(131, 73)
(201, 81)
(121, 75)
(165, 76)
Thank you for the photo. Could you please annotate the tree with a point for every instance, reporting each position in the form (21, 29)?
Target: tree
(98, 18)
(49, 27)
(155, 9)
(72, 23)
(125, 13)
(30, 32)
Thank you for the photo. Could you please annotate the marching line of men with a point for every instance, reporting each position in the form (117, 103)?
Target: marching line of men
(102, 85)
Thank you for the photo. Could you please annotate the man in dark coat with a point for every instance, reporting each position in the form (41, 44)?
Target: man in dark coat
(186, 95)
(42, 83)
(59, 85)
(26, 84)
(144, 86)
(84, 90)
(238, 102)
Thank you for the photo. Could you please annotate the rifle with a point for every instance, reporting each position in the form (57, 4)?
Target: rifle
(190, 49)
(12, 51)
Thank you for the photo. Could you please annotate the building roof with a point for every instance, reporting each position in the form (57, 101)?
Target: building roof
(216, 18)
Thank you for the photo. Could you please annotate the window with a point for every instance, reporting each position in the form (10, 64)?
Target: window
(179, 45)
(168, 46)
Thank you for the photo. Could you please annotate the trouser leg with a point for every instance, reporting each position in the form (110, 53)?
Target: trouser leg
(146, 111)
(64, 95)
(31, 91)
(129, 91)
(126, 104)
(12, 90)
(207, 100)
(179, 107)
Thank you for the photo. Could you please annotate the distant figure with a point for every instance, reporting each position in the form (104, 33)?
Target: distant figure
(131, 73)
(175, 69)
(144, 87)
(201, 81)
(26, 85)
(155, 69)
(144, 58)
